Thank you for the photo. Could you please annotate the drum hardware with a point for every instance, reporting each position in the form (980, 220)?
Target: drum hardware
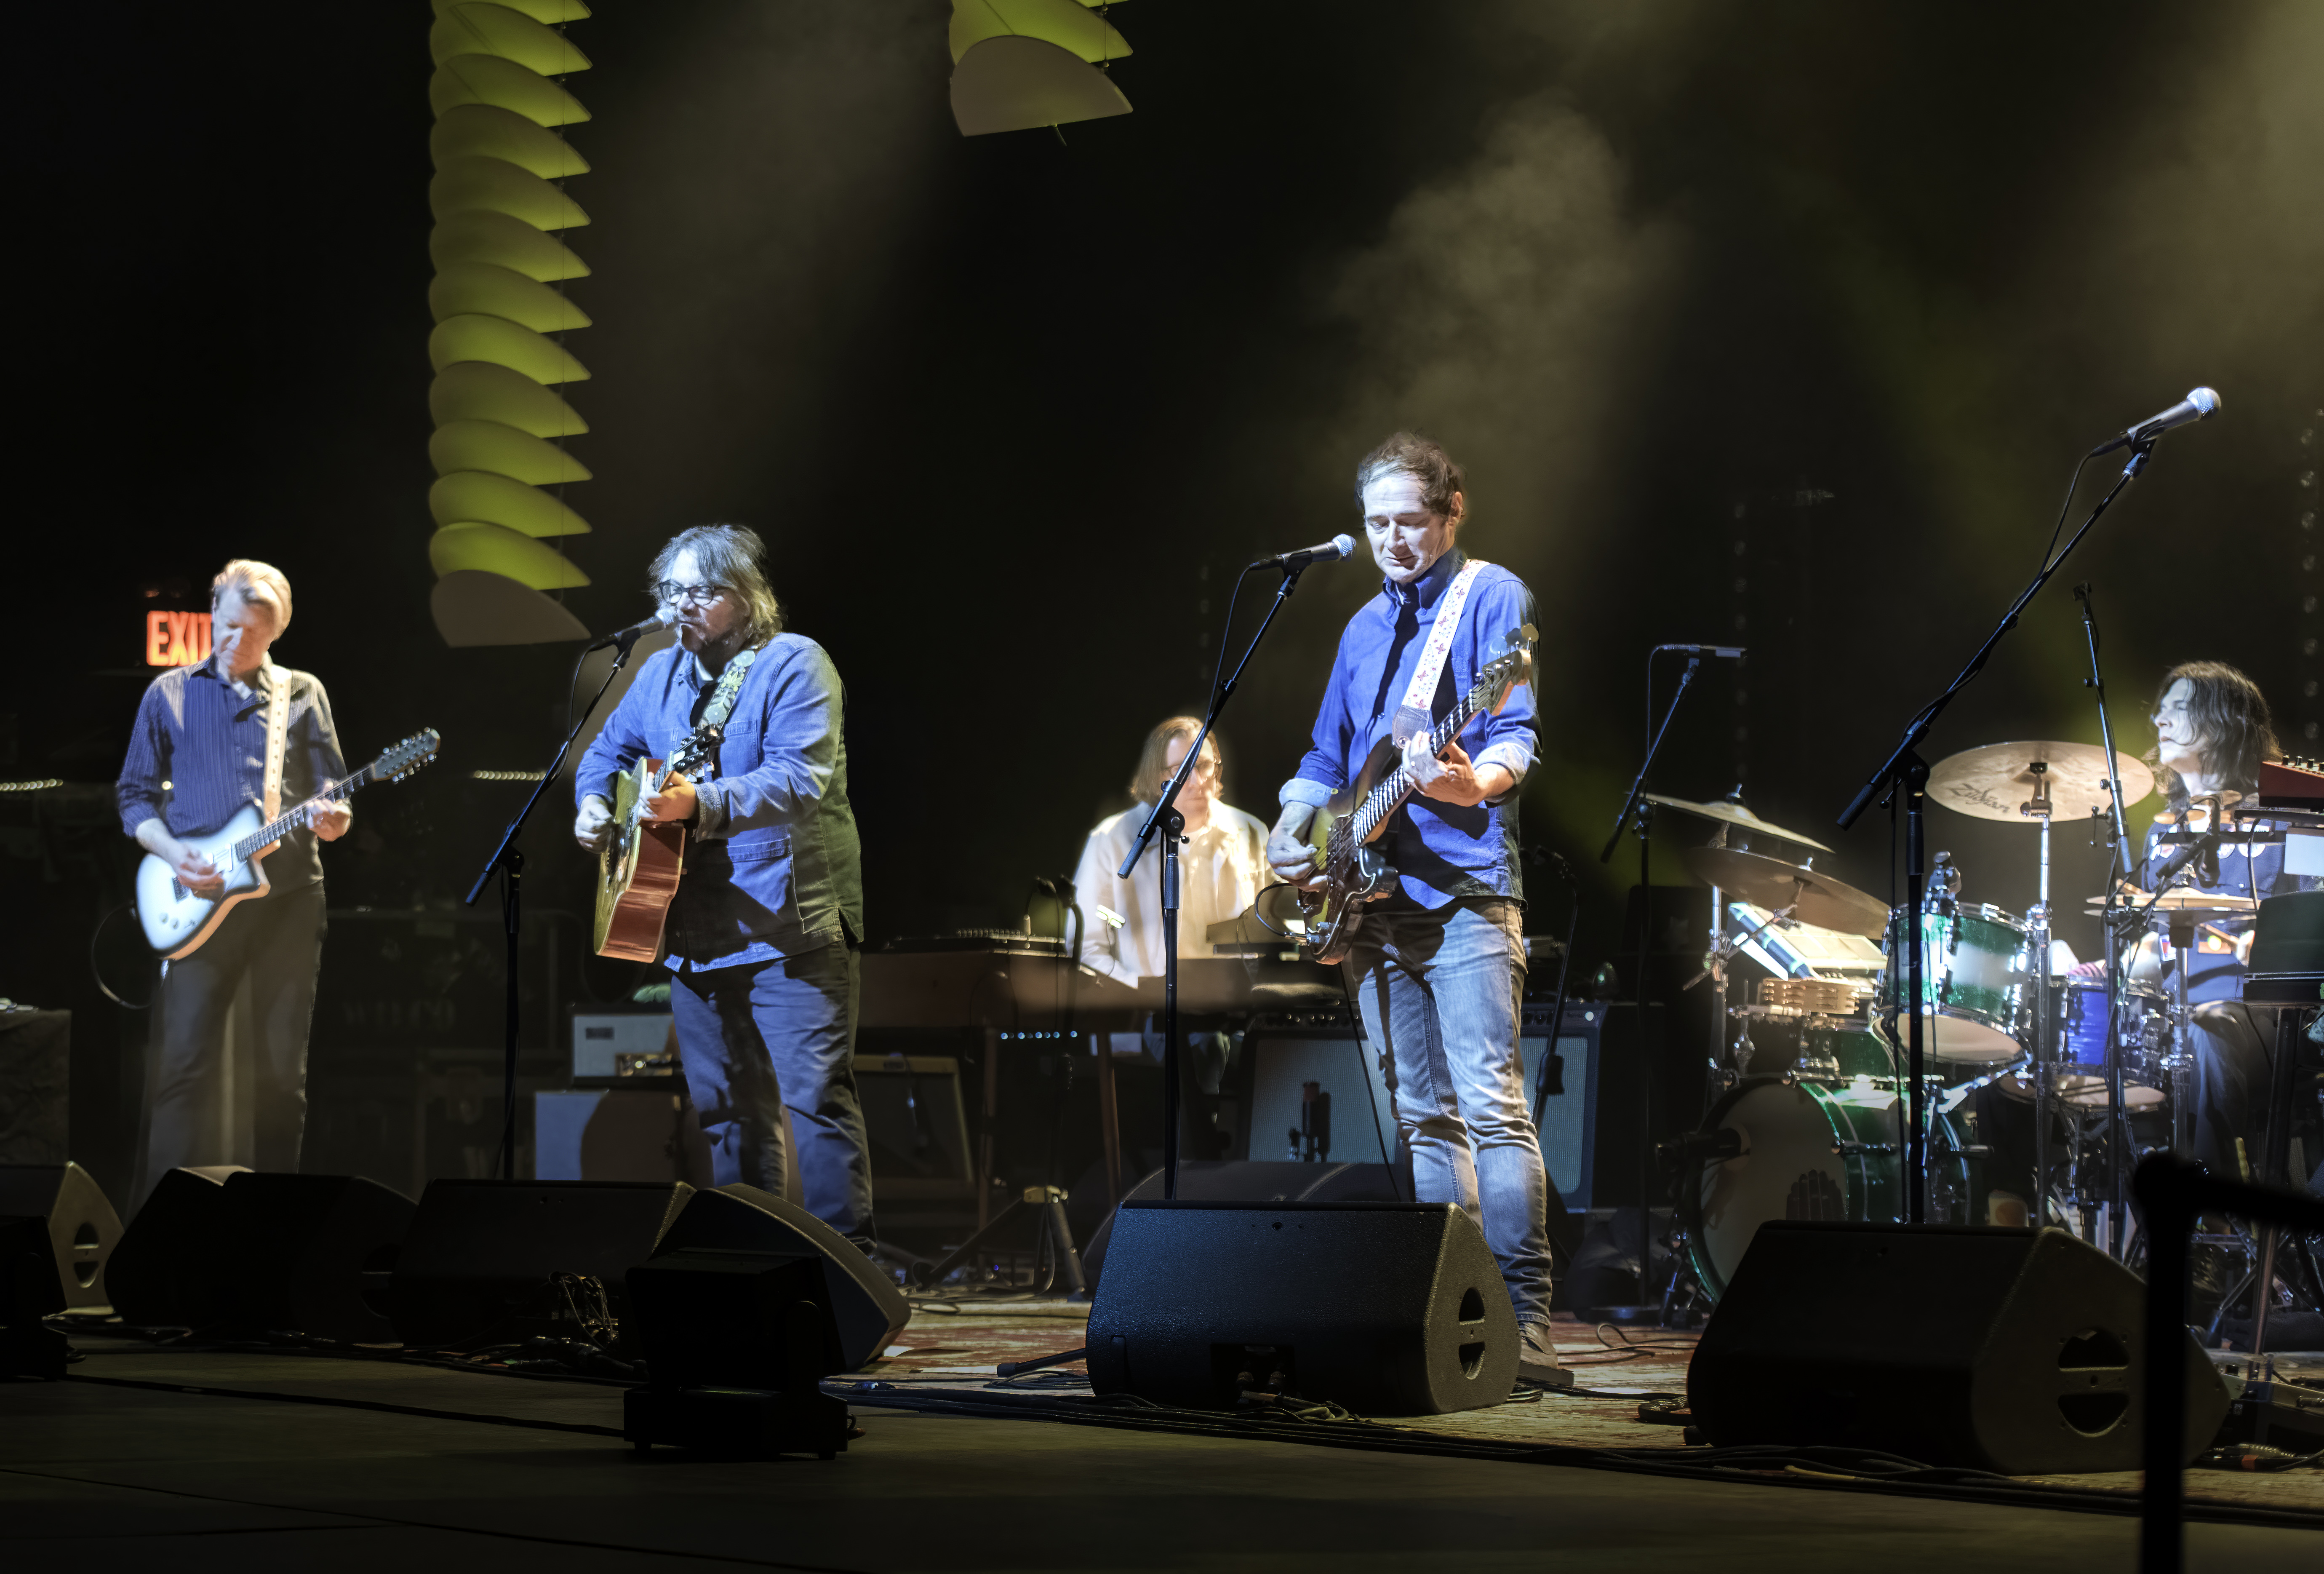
(1829, 997)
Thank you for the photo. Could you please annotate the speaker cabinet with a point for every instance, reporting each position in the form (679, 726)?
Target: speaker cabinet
(83, 1228)
(1387, 1307)
(868, 1311)
(481, 1262)
(152, 1275)
(2012, 1350)
(264, 1250)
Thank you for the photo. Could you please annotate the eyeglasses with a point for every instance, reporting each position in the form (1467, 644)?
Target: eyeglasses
(670, 590)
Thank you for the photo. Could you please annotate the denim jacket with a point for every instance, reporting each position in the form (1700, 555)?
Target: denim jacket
(773, 865)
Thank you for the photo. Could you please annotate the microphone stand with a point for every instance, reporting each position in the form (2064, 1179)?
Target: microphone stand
(1164, 816)
(2118, 1130)
(1904, 769)
(1649, 1062)
(508, 862)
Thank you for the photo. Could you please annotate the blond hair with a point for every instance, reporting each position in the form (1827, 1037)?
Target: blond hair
(260, 583)
(1153, 772)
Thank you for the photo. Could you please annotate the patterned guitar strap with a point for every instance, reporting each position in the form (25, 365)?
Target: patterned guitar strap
(277, 737)
(730, 684)
(1416, 714)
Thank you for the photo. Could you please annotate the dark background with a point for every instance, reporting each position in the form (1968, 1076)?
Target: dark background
(1780, 324)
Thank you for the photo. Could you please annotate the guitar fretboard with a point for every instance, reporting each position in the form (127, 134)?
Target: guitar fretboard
(281, 825)
(1393, 789)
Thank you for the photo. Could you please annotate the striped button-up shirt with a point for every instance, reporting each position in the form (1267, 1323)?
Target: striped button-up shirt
(198, 753)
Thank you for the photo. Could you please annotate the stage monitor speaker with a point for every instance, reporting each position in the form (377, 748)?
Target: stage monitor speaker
(2016, 1351)
(1387, 1307)
(151, 1276)
(29, 1292)
(1259, 1180)
(83, 1228)
(263, 1250)
(868, 1311)
(482, 1260)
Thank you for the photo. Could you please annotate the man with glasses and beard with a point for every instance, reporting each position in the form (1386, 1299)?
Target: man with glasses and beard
(762, 935)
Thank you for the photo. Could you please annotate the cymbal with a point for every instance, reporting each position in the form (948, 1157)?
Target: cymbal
(1821, 901)
(2191, 901)
(1733, 814)
(1991, 782)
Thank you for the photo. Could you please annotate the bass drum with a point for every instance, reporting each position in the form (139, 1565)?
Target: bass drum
(1808, 1152)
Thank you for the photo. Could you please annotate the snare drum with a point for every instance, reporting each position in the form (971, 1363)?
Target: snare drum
(2078, 1067)
(1971, 979)
(1770, 1039)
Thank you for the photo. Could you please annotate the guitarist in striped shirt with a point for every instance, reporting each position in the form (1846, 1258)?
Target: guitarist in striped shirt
(1438, 964)
(197, 754)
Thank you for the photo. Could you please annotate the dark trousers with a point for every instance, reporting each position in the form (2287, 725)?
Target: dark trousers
(274, 941)
(766, 1036)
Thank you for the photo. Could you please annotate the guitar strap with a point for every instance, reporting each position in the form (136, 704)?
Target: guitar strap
(1415, 714)
(277, 737)
(730, 685)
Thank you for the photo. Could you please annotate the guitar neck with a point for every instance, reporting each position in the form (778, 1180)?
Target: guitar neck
(281, 825)
(1397, 785)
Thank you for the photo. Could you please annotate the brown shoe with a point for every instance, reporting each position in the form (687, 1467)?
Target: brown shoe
(1537, 1358)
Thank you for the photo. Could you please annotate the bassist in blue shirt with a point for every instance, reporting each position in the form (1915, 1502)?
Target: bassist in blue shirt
(1438, 964)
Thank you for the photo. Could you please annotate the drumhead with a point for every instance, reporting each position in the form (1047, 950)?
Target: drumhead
(1787, 1168)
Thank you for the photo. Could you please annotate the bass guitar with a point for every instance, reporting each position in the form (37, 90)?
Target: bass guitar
(638, 869)
(1346, 830)
(178, 919)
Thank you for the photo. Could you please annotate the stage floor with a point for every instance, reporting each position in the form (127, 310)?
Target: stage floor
(253, 1462)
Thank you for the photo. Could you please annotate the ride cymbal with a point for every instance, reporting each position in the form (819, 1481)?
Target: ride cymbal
(1995, 782)
(1728, 813)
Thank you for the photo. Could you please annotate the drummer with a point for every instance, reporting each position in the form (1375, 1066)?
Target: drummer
(2212, 729)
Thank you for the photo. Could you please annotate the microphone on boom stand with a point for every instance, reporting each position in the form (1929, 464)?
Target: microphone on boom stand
(2201, 405)
(1330, 552)
(626, 637)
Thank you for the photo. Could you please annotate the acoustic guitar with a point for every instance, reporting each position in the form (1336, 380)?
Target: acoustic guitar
(642, 861)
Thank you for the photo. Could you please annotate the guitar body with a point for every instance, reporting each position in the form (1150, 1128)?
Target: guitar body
(1337, 908)
(638, 872)
(176, 921)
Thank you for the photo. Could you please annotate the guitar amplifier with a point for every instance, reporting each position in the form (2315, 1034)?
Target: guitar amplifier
(1282, 1052)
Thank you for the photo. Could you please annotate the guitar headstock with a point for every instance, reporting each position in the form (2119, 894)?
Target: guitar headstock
(696, 751)
(1512, 667)
(400, 760)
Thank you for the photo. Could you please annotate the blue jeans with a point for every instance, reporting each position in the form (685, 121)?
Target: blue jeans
(757, 1038)
(1440, 993)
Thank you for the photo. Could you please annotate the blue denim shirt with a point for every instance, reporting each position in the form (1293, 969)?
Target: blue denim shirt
(773, 865)
(1442, 851)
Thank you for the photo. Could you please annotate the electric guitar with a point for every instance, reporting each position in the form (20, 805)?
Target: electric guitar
(642, 861)
(177, 919)
(1344, 832)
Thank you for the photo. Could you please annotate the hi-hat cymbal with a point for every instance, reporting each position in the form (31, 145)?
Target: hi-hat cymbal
(1731, 813)
(1815, 899)
(1993, 782)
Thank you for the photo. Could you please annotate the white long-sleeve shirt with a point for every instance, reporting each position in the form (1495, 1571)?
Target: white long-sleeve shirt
(1220, 873)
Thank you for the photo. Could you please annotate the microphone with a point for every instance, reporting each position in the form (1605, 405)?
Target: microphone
(2201, 405)
(1729, 652)
(626, 637)
(1331, 552)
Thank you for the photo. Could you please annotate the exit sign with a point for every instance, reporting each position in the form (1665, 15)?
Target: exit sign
(177, 639)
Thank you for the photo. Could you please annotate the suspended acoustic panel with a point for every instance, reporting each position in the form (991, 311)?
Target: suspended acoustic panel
(491, 550)
(467, 185)
(496, 197)
(502, 451)
(480, 498)
(489, 290)
(509, 243)
(487, 131)
(473, 608)
(480, 391)
(475, 337)
(551, 12)
(1016, 84)
(505, 85)
(484, 29)
(1067, 23)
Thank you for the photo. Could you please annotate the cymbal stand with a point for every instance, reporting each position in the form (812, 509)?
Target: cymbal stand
(2037, 946)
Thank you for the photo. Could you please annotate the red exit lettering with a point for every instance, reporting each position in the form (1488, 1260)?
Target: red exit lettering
(177, 639)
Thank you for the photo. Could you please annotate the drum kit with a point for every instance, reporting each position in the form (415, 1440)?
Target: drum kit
(1806, 1117)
